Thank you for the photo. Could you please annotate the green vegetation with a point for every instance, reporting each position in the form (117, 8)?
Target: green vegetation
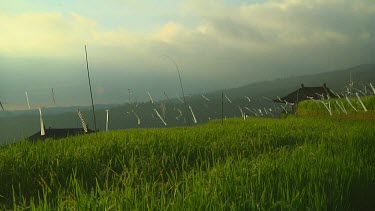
(317, 108)
(257, 164)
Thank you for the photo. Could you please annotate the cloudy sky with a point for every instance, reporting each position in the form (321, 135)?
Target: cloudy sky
(216, 44)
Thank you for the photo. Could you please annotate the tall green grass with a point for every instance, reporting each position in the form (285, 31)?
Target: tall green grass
(257, 164)
(316, 108)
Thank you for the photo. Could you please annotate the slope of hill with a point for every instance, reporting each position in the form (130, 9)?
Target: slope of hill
(253, 164)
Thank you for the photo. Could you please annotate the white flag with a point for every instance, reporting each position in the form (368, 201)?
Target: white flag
(27, 98)
(360, 101)
(157, 113)
(149, 95)
(106, 123)
(192, 113)
(42, 131)
(205, 97)
(228, 99)
(82, 121)
(138, 119)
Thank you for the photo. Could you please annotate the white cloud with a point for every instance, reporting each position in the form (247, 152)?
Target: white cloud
(226, 45)
(290, 22)
(55, 34)
(248, 26)
(231, 37)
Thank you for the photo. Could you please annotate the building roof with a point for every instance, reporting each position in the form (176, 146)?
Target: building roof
(56, 133)
(307, 93)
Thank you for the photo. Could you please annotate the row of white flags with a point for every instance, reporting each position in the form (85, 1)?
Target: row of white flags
(84, 126)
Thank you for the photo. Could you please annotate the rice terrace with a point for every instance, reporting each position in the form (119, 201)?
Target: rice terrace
(187, 105)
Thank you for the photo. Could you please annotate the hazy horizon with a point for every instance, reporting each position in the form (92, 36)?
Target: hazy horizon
(216, 44)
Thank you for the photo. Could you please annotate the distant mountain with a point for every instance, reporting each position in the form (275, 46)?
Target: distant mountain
(361, 75)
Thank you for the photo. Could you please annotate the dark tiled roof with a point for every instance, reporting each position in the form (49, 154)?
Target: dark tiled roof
(307, 93)
(56, 133)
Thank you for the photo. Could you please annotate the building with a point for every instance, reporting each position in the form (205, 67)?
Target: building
(306, 93)
(56, 133)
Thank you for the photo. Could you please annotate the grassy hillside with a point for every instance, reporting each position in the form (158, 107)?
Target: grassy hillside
(339, 107)
(256, 164)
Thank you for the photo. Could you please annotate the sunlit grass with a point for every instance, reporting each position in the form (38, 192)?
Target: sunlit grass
(313, 108)
(257, 164)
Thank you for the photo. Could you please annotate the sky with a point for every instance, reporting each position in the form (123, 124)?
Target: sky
(216, 45)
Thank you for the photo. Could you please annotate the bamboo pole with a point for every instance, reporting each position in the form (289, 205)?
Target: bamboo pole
(182, 89)
(92, 99)
(222, 107)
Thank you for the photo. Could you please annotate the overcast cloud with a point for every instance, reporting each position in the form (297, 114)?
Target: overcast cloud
(217, 44)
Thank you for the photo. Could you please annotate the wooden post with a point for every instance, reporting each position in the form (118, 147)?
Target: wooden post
(222, 107)
(182, 89)
(53, 97)
(92, 100)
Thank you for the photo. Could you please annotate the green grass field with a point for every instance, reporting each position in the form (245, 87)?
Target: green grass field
(316, 108)
(293, 163)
